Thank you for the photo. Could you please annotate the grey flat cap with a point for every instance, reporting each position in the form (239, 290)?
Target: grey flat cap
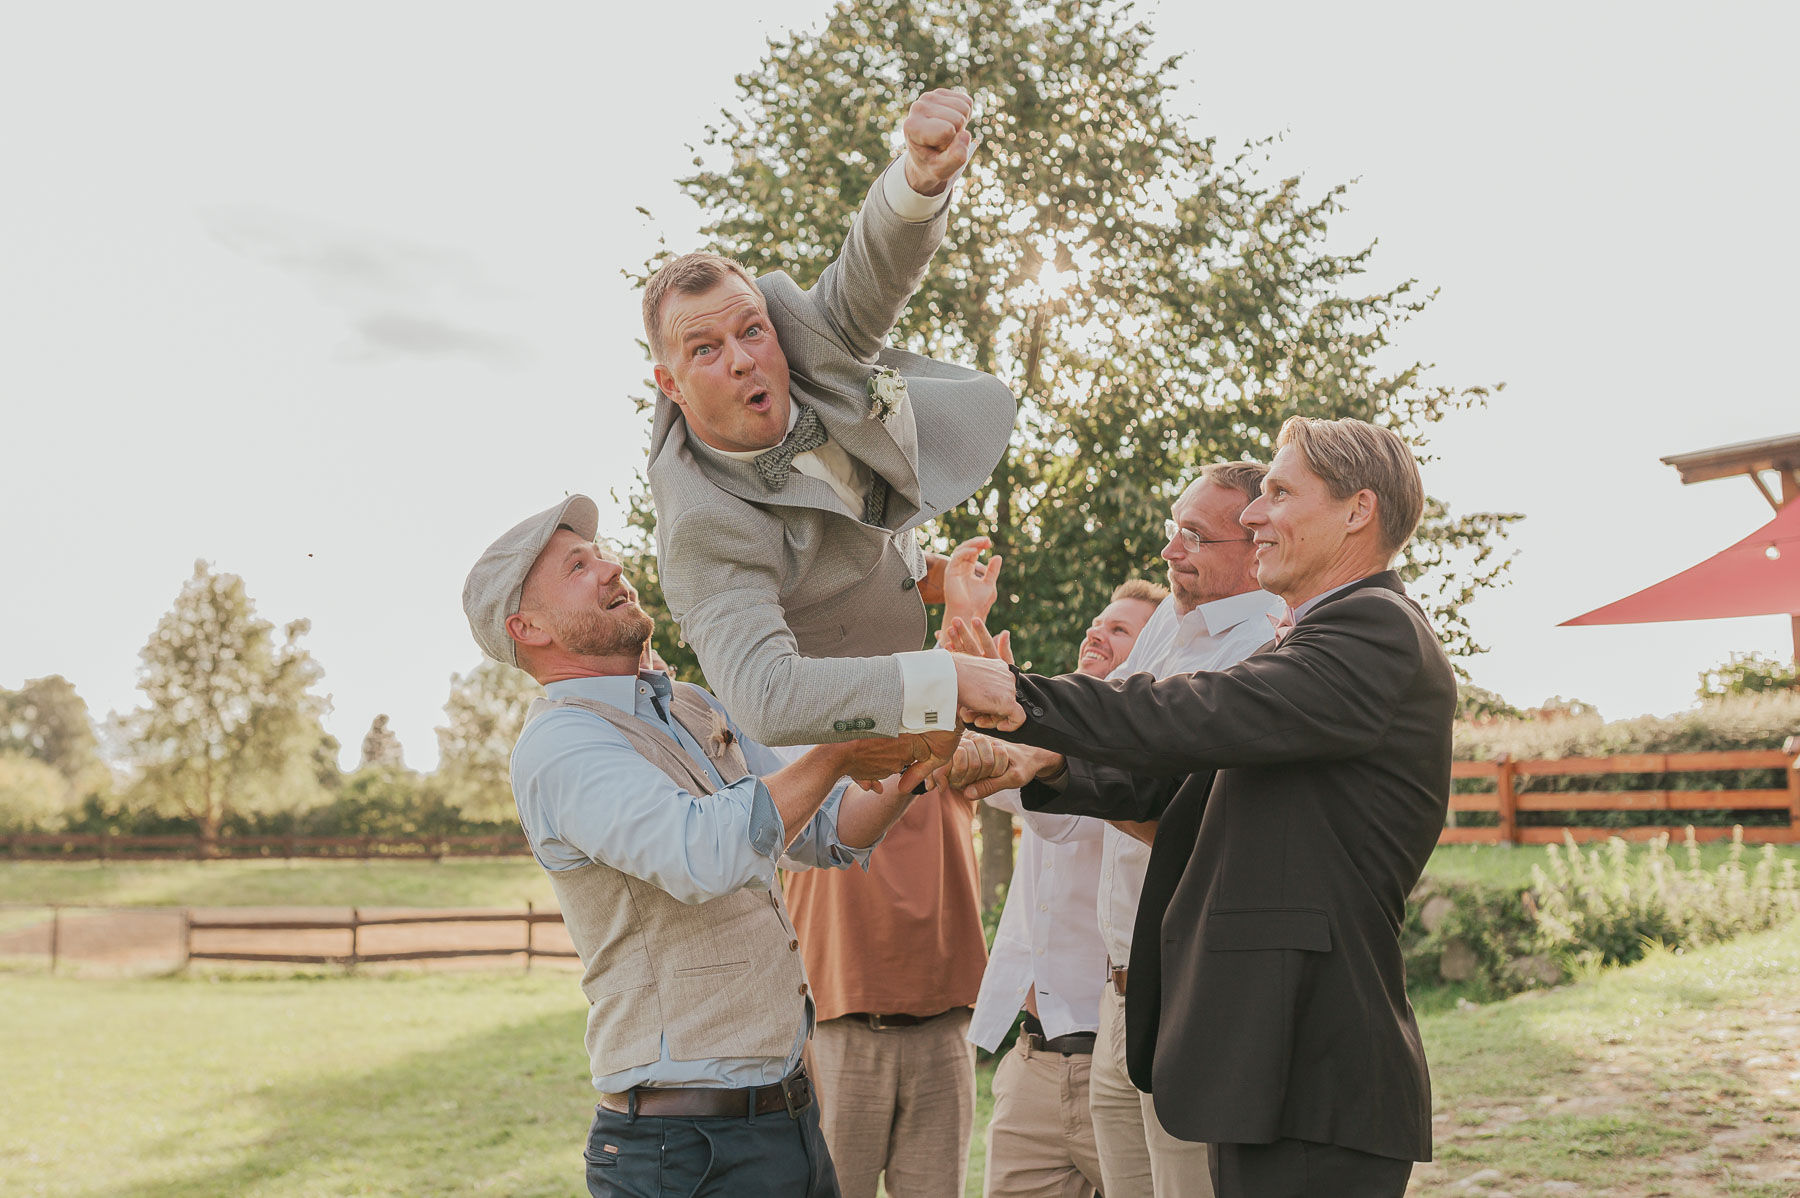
(492, 591)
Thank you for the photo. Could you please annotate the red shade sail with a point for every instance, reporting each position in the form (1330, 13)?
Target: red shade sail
(1758, 576)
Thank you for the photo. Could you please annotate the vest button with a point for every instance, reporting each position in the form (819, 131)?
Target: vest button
(802, 987)
(793, 946)
(908, 584)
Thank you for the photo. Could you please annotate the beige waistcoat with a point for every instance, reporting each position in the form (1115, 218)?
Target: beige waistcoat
(721, 978)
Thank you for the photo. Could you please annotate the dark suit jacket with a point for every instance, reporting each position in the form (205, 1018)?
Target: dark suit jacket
(1300, 793)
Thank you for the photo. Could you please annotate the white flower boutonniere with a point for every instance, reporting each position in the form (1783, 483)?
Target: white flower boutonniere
(887, 393)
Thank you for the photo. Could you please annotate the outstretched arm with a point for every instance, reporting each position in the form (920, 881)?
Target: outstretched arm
(729, 605)
(883, 261)
(1329, 692)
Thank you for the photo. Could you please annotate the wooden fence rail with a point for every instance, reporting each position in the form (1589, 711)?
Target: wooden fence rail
(1511, 795)
(529, 918)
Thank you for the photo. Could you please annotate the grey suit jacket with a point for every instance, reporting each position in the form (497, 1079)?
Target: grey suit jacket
(792, 604)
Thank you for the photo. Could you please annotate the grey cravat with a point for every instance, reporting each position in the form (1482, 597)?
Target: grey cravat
(774, 466)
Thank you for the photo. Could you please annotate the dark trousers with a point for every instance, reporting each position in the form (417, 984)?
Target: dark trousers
(1303, 1169)
(769, 1156)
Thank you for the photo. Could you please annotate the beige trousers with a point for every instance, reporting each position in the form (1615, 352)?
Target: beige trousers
(900, 1102)
(1137, 1157)
(1041, 1138)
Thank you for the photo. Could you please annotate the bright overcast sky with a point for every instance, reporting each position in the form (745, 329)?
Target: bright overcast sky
(330, 298)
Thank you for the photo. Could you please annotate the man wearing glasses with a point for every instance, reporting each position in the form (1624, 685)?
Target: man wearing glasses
(1214, 617)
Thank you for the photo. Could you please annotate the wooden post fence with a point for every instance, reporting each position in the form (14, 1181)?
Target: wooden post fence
(1506, 790)
(1792, 748)
(1512, 795)
(531, 917)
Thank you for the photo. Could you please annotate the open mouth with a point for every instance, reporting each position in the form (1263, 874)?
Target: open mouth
(621, 601)
(758, 401)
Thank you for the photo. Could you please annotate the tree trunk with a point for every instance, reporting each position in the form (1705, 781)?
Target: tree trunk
(996, 853)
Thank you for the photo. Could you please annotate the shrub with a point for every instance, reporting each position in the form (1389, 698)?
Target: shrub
(1480, 936)
(1604, 904)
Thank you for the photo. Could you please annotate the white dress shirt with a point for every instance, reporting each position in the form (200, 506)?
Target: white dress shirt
(928, 676)
(1047, 940)
(1211, 637)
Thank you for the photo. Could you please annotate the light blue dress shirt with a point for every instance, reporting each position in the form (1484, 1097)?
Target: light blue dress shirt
(584, 795)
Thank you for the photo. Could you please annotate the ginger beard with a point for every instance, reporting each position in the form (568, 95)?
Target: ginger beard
(619, 629)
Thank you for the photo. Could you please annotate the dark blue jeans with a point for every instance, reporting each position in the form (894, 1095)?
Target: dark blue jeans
(769, 1156)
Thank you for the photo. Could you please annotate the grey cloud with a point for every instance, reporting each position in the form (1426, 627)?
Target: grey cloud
(397, 334)
(398, 293)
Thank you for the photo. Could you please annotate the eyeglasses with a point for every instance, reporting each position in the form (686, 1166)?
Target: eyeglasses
(1193, 540)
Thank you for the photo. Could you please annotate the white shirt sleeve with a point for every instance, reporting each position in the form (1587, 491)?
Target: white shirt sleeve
(927, 691)
(908, 204)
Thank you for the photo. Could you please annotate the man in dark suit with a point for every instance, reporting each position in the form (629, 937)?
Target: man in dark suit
(1299, 793)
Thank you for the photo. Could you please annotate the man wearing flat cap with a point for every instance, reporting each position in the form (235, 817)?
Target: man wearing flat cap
(794, 456)
(661, 826)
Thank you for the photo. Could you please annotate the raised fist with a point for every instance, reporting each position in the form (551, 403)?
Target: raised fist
(938, 141)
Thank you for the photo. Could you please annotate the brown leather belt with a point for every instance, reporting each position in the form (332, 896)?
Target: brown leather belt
(792, 1093)
(881, 1023)
(1118, 980)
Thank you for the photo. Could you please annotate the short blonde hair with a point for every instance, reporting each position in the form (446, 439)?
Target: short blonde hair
(1354, 455)
(1242, 477)
(1140, 588)
(690, 274)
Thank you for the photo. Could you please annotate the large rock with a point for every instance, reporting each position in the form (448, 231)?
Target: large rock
(1535, 969)
(1436, 910)
(1458, 963)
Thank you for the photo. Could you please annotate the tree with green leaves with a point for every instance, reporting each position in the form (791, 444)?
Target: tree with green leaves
(47, 720)
(483, 718)
(1749, 674)
(232, 722)
(1155, 304)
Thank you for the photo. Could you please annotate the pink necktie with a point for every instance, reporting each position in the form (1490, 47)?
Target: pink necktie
(1284, 625)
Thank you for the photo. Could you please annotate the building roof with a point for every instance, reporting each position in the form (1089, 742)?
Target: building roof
(1745, 457)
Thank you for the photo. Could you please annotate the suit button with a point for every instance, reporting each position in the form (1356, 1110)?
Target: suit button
(865, 723)
(840, 726)
(802, 987)
(909, 584)
(793, 946)
(1037, 713)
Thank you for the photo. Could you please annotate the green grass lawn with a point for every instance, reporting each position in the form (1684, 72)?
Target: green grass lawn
(457, 882)
(1674, 1077)
(474, 882)
(1677, 1076)
(205, 1085)
(1501, 865)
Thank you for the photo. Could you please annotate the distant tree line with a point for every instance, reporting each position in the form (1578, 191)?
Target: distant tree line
(230, 740)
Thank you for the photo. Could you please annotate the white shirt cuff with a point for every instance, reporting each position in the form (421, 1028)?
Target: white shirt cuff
(908, 204)
(927, 691)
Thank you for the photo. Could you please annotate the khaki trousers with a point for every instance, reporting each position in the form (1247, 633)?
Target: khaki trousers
(900, 1101)
(1137, 1157)
(1041, 1138)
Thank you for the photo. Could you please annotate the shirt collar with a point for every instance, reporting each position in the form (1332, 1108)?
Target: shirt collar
(745, 455)
(1300, 612)
(617, 690)
(1222, 615)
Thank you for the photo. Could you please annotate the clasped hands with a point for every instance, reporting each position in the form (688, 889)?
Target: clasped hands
(964, 763)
